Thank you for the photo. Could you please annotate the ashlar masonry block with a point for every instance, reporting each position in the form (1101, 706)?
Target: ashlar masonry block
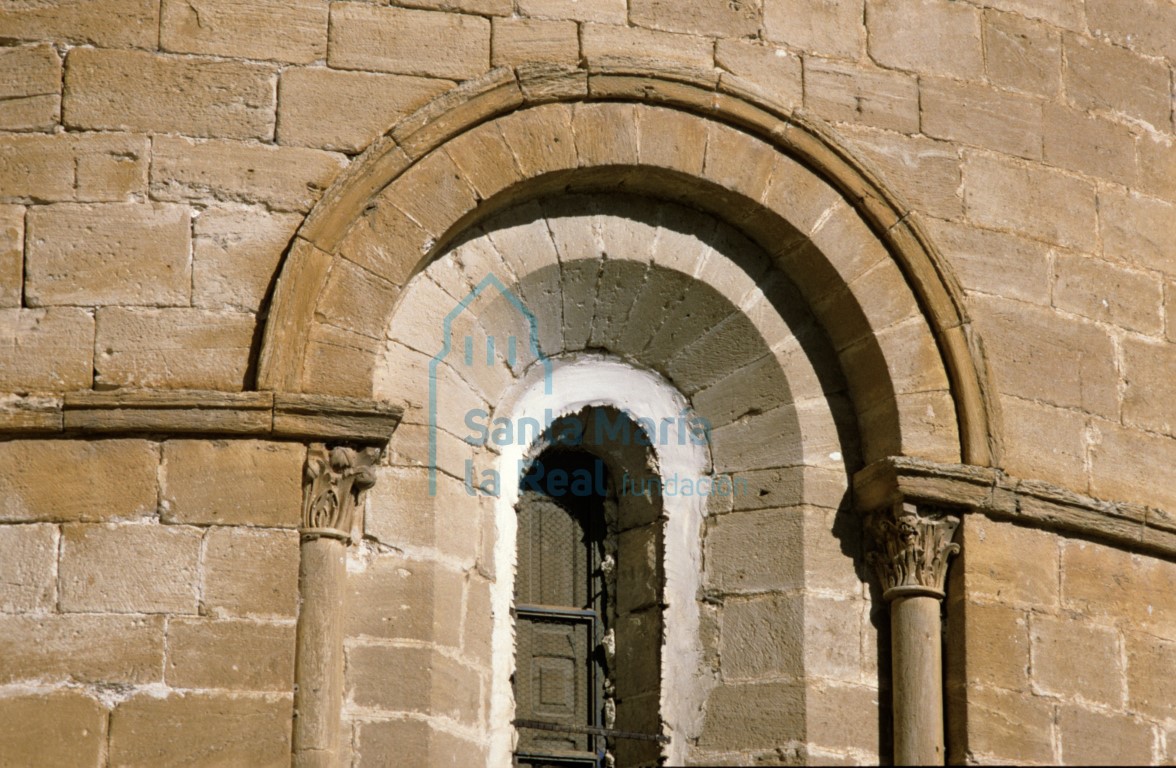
(130, 568)
(106, 479)
(62, 728)
(132, 90)
(119, 253)
(234, 482)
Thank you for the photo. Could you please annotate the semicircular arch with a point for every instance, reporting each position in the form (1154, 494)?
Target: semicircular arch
(860, 261)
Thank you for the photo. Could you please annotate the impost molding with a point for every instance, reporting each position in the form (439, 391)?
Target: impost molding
(964, 489)
(262, 415)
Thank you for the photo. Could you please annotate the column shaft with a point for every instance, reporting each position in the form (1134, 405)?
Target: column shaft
(318, 699)
(917, 662)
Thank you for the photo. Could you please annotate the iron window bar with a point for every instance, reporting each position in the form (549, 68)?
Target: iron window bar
(591, 730)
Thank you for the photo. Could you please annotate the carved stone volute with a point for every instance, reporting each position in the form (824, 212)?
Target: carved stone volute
(912, 546)
(333, 484)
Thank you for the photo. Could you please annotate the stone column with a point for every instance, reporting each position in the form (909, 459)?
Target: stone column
(912, 548)
(333, 484)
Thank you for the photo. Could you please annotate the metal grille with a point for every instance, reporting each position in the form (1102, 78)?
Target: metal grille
(558, 613)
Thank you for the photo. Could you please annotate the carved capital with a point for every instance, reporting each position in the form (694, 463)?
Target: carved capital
(911, 549)
(332, 485)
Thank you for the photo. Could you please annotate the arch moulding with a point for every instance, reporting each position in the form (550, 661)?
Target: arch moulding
(462, 157)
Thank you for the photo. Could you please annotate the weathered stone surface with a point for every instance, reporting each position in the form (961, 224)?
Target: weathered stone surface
(1148, 26)
(739, 561)
(63, 480)
(1002, 195)
(479, 7)
(357, 300)
(775, 70)
(845, 92)
(88, 649)
(1089, 145)
(404, 599)
(236, 252)
(520, 40)
(1062, 654)
(601, 43)
(417, 520)
(1136, 229)
(340, 362)
(760, 638)
(1101, 76)
(292, 31)
(1004, 726)
(28, 570)
(1021, 54)
(1103, 291)
(997, 639)
(994, 262)
(752, 715)
(1109, 585)
(177, 348)
(12, 232)
(139, 568)
(926, 173)
(1151, 662)
(250, 572)
(282, 178)
(59, 728)
(82, 167)
(403, 742)
(831, 28)
(120, 253)
(606, 11)
(413, 680)
(1170, 308)
(1132, 465)
(1105, 739)
(1157, 166)
(1148, 366)
(1045, 442)
(408, 42)
(973, 114)
(737, 162)
(1040, 355)
(232, 482)
(669, 139)
(201, 728)
(30, 87)
(898, 37)
(346, 111)
(104, 23)
(1066, 14)
(1013, 565)
(454, 196)
(832, 638)
(126, 90)
(697, 17)
(234, 655)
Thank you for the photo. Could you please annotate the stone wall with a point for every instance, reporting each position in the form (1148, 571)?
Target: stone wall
(148, 594)
(1058, 652)
(157, 157)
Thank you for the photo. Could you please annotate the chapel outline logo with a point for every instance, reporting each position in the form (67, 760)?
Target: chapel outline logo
(490, 357)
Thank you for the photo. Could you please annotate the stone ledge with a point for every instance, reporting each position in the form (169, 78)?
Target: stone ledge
(1000, 496)
(272, 415)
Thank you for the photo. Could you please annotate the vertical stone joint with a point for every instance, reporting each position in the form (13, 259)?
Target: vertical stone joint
(912, 546)
(333, 484)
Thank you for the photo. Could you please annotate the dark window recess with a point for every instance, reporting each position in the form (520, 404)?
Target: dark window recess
(561, 604)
